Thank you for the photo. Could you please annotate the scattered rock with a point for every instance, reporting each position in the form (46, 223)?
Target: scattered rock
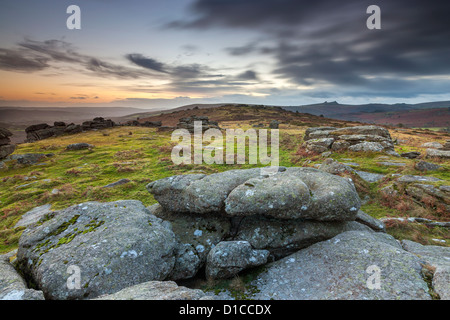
(156, 290)
(274, 124)
(29, 158)
(411, 155)
(118, 183)
(427, 166)
(432, 145)
(341, 268)
(105, 241)
(392, 164)
(370, 177)
(79, 146)
(370, 221)
(433, 153)
(229, 258)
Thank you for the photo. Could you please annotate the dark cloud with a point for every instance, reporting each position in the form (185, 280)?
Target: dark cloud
(13, 60)
(248, 75)
(148, 63)
(327, 42)
(31, 56)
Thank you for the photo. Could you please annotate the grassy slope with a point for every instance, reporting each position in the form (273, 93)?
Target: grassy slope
(144, 156)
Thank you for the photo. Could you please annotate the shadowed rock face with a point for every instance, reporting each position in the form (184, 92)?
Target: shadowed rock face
(6, 148)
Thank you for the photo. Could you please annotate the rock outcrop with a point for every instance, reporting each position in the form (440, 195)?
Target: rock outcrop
(44, 131)
(357, 139)
(280, 213)
(189, 122)
(6, 148)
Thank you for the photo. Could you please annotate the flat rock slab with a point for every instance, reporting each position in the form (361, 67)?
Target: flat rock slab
(392, 164)
(345, 267)
(370, 177)
(34, 215)
(157, 290)
(410, 179)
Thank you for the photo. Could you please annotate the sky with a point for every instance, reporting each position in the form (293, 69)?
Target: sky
(169, 53)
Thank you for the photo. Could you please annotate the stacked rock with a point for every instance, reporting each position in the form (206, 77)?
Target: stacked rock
(189, 122)
(360, 138)
(98, 123)
(6, 148)
(262, 217)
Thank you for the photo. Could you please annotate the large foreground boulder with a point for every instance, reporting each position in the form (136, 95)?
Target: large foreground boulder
(290, 194)
(112, 245)
(354, 265)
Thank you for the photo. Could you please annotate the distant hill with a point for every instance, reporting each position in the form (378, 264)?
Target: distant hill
(342, 111)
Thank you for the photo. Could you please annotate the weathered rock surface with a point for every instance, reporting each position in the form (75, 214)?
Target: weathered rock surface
(12, 286)
(432, 145)
(105, 241)
(434, 153)
(370, 221)
(229, 258)
(156, 290)
(79, 146)
(340, 268)
(312, 194)
(6, 148)
(33, 216)
(427, 166)
(437, 257)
